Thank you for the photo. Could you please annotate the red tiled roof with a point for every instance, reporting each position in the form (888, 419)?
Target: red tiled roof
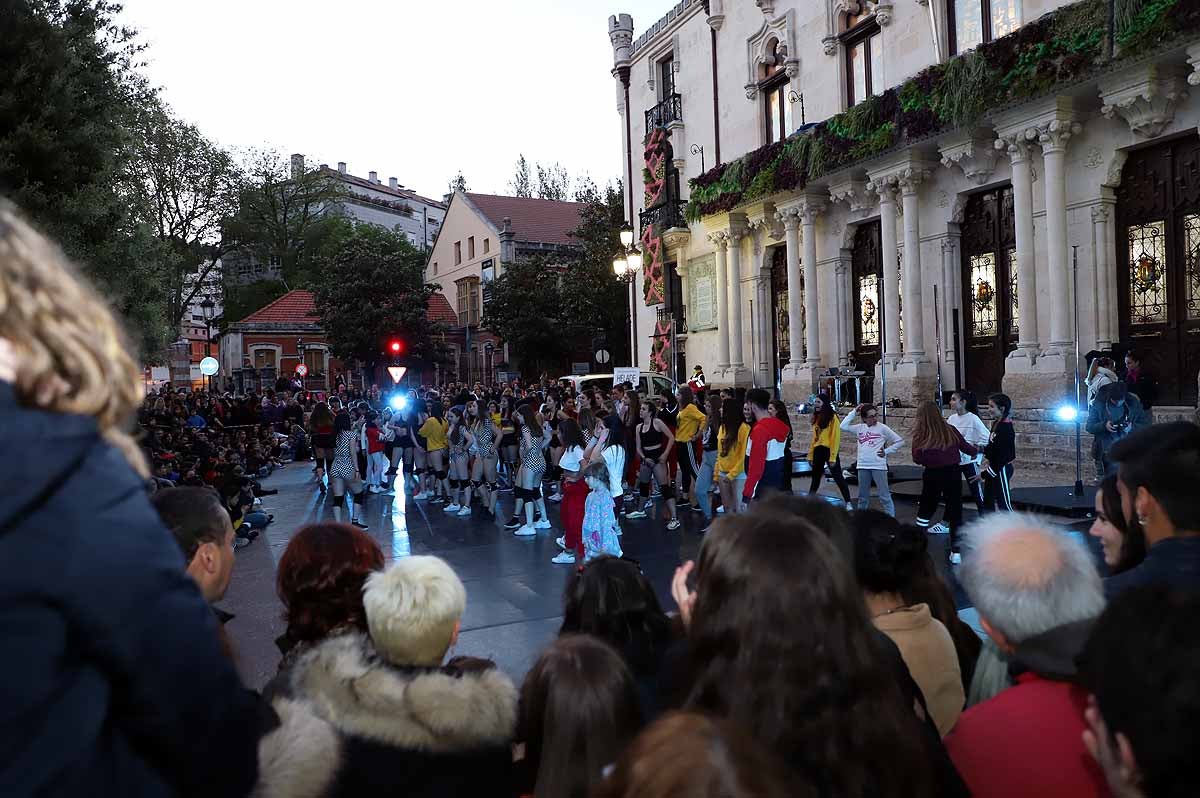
(299, 307)
(294, 307)
(440, 309)
(533, 220)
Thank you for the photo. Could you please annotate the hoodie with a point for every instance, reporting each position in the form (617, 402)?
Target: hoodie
(767, 444)
(114, 681)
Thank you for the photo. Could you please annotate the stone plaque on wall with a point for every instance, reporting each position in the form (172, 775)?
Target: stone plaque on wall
(702, 291)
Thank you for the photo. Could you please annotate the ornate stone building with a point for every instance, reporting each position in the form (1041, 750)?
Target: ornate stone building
(954, 192)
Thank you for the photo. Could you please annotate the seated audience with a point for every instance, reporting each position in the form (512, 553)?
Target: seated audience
(1038, 593)
(1142, 664)
(113, 681)
(405, 723)
(202, 529)
(889, 558)
(1157, 482)
(687, 754)
(579, 710)
(320, 582)
(610, 599)
(781, 643)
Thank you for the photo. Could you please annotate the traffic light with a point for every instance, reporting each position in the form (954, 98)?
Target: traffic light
(395, 347)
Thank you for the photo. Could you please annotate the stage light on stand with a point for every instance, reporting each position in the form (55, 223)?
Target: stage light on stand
(1070, 414)
(1067, 413)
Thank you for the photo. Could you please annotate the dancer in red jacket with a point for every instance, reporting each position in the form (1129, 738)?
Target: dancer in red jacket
(766, 447)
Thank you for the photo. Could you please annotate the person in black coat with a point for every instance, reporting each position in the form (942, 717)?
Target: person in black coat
(113, 682)
(379, 714)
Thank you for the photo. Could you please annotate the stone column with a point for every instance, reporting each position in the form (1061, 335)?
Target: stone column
(738, 374)
(948, 297)
(886, 189)
(841, 268)
(1102, 265)
(791, 237)
(914, 345)
(1053, 137)
(812, 333)
(721, 242)
(1019, 148)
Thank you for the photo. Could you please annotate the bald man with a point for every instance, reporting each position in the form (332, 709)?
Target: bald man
(1038, 593)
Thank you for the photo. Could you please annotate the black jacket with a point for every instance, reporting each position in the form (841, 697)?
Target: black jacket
(112, 682)
(1174, 562)
(355, 726)
(1002, 446)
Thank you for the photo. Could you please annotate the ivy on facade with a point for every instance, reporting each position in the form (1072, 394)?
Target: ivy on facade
(1057, 49)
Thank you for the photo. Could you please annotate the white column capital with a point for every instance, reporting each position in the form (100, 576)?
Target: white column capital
(1054, 135)
(1100, 213)
(790, 217)
(1018, 144)
(885, 187)
(720, 239)
(949, 245)
(810, 209)
(910, 178)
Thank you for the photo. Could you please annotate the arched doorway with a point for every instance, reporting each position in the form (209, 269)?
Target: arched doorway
(989, 264)
(866, 268)
(1158, 264)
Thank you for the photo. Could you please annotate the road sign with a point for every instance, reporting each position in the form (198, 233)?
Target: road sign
(301, 370)
(209, 366)
(489, 347)
(397, 373)
(602, 356)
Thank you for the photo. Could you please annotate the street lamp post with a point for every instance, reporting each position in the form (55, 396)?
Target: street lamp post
(626, 265)
(208, 308)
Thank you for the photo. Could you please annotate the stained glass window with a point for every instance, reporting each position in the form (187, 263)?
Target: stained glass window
(968, 24)
(868, 292)
(1147, 273)
(1004, 17)
(1013, 315)
(1191, 272)
(983, 296)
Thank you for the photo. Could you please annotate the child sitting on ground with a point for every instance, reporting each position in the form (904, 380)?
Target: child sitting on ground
(600, 528)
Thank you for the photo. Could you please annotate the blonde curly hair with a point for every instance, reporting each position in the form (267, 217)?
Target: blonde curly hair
(71, 355)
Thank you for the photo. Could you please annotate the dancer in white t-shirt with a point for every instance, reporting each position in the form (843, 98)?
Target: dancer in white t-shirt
(875, 442)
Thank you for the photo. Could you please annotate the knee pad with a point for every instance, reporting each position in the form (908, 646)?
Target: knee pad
(441, 473)
(493, 486)
(521, 493)
(667, 491)
(475, 484)
(360, 497)
(339, 501)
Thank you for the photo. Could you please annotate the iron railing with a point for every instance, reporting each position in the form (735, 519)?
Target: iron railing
(664, 216)
(668, 111)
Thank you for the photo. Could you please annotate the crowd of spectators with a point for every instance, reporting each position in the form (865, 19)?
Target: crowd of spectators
(809, 651)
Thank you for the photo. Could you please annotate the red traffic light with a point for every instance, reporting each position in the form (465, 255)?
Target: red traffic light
(395, 347)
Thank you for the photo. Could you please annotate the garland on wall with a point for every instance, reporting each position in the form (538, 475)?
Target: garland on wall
(1056, 49)
(654, 177)
(660, 349)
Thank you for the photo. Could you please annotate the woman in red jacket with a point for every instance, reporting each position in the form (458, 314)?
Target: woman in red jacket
(936, 445)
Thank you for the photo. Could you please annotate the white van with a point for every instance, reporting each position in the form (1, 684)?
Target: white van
(650, 384)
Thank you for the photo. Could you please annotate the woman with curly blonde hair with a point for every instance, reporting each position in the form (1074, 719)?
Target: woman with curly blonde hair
(115, 682)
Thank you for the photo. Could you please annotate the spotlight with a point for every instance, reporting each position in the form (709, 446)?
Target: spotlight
(1068, 413)
(398, 402)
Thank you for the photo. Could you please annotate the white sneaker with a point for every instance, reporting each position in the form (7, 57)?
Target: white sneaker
(524, 531)
(556, 498)
(939, 529)
(636, 514)
(673, 524)
(955, 558)
(451, 508)
(564, 558)
(463, 511)
(562, 542)
(721, 509)
(542, 523)
(422, 496)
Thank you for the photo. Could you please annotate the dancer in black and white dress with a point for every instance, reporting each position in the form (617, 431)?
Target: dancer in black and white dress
(483, 469)
(345, 472)
(529, 477)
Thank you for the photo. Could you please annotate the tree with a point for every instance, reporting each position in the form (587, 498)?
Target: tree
(521, 185)
(458, 183)
(370, 286)
(553, 182)
(283, 218)
(68, 103)
(184, 187)
(549, 310)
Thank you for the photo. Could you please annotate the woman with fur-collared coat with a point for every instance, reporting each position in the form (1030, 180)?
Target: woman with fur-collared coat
(380, 715)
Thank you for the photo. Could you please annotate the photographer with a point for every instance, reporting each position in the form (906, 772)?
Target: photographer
(1115, 413)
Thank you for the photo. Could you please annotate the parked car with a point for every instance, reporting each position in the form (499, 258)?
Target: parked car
(650, 384)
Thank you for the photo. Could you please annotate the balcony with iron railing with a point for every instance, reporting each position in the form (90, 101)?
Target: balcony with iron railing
(668, 111)
(664, 216)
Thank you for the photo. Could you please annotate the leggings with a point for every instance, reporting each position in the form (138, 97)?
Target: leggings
(819, 460)
(972, 470)
(944, 483)
(688, 467)
(996, 490)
